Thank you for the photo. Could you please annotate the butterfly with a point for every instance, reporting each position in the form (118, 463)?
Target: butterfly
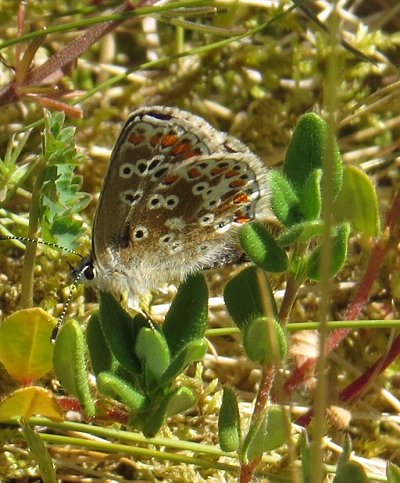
(175, 193)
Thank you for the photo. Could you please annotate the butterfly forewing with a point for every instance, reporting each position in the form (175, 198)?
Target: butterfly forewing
(153, 140)
(175, 192)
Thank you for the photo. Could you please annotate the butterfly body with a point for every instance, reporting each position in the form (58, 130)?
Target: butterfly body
(175, 193)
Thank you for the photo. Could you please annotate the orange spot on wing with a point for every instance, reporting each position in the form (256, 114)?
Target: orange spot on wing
(181, 148)
(170, 179)
(241, 218)
(169, 140)
(155, 140)
(237, 183)
(136, 138)
(194, 173)
(217, 171)
(231, 174)
(191, 154)
(241, 199)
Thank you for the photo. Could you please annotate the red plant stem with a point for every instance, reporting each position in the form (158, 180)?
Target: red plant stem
(53, 66)
(357, 386)
(264, 391)
(377, 257)
(247, 471)
(263, 395)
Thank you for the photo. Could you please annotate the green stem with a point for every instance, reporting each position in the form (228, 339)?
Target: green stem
(30, 253)
(330, 101)
(292, 287)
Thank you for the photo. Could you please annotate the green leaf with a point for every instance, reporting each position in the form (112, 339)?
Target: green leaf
(253, 445)
(338, 255)
(262, 248)
(178, 400)
(305, 456)
(25, 344)
(114, 386)
(60, 197)
(306, 153)
(229, 433)
(243, 297)
(12, 175)
(264, 341)
(70, 364)
(277, 429)
(302, 232)
(120, 332)
(153, 352)
(310, 197)
(100, 354)
(38, 450)
(284, 201)
(350, 472)
(392, 473)
(357, 202)
(186, 319)
(346, 452)
(193, 352)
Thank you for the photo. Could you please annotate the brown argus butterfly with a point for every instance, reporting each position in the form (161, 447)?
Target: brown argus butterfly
(175, 193)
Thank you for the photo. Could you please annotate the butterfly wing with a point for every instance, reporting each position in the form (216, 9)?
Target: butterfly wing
(188, 219)
(152, 142)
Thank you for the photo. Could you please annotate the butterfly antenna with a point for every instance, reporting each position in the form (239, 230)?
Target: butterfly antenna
(40, 242)
(67, 303)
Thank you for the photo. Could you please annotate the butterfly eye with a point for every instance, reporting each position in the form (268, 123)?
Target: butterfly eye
(88, 272)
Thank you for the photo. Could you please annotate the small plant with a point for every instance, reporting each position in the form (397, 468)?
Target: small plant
(135, 361)
(137, 364)
(297, 203)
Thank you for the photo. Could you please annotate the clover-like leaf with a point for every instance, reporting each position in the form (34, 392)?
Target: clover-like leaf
(338, 254)
(186, 319)
(243, 297)
(262, 247)
(114, 386)
(306, 153)
(265, 341)
(25, 344)
(357, 202)
(284, 201)
(71, 366)
(229, 433)
(153, 352)
(30, 401)
(120, 332)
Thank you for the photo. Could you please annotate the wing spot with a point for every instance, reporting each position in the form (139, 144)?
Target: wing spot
(168, 238)
(130, 197)
(237, 183)
(140, 233)
(126, 170)
(136, 138)
(169, 180)
(198, 188)
(194, 173)
(171, 202)
(206, 219)
(156, 201)
(142, 166)
(160, 172)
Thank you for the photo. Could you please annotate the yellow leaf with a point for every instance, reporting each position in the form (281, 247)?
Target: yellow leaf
(25, 346)
(30, 401)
